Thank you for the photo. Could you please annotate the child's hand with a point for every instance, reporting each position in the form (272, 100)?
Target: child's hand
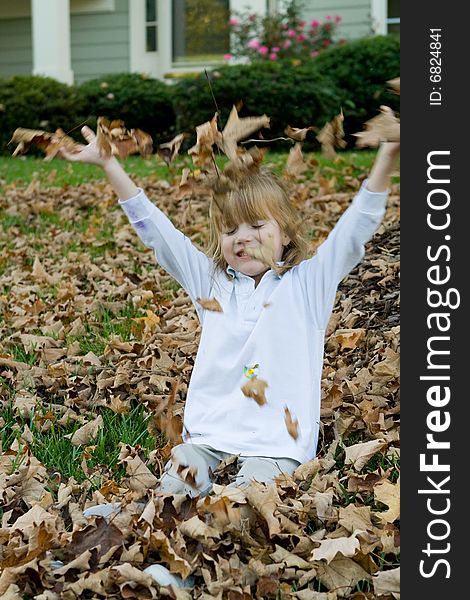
(88, 153)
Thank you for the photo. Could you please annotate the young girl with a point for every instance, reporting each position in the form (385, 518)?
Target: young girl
(272, 324)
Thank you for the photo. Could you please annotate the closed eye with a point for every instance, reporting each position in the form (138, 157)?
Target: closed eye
(257, 225)
(231, 231)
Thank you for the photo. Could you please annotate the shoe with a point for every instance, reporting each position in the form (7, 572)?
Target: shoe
(163, 576)
(107, 510)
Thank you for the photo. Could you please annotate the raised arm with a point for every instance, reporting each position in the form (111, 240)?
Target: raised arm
(172, 249)
(118, 178)
(379, 178)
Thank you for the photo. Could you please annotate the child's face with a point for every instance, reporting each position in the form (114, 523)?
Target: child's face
(235, 241)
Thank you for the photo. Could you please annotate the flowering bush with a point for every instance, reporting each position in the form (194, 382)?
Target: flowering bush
(280, 36)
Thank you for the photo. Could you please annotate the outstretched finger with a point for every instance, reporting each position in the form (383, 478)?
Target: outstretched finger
(88, 133)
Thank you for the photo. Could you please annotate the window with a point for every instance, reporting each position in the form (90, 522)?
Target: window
(151, 19)
(200, 30)
(393, 16)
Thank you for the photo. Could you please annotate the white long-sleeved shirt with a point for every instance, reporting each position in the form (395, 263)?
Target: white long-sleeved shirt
(279, 326)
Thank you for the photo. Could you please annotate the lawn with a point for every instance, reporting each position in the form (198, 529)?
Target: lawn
(97, 345)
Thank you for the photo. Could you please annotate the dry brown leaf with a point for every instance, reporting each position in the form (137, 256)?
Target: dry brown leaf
(211, 304)
(88, 432)
(342, 574)
(49, 143)
(265, 499)
(389, 494)
(331, 136)
(329, 548)
(140, 476)
(385, 127)
(202, 152)
(298, 134)
(112, 138)
(177, 562)
(394, 85)
(291, 424)
(347, 339)
(237, 129)
(188, 475)
(255, 388)
(387, 583)
(296, 164)
(169, 150)
(359, 455)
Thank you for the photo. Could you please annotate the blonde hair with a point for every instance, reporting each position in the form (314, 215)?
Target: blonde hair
(257, 196)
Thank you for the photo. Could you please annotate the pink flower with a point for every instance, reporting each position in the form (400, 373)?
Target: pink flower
(326, 43)
(328, 17)
(314, 53)
(254, 44)
(233, 22)
(301, 38)
(273, 56)
(287, 44)
(291, 33)
(314, 23)
(275, 49)
(263, 49)
(337, 19)
(227, 56)
(301, 24)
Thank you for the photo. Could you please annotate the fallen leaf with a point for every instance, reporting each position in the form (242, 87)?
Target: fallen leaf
(358, 455)
(329, 548)
(389, 494)
(88, 432)
(387, 582)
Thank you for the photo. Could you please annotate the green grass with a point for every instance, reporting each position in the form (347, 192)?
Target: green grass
(21, 170)
(55, 451)
(106, 325)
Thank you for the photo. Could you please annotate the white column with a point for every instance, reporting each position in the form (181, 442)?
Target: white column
(378, 9)
(51, 39)
(165, 33)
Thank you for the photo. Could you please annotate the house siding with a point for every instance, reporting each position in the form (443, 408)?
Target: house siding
(355, 16)
(100, 43)
(16, 52)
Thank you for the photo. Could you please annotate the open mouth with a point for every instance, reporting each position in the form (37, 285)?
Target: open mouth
(242, 254)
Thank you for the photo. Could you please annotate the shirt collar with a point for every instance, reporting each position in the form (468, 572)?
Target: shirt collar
(238, 275)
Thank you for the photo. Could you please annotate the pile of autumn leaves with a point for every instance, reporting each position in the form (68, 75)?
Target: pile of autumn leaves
(328, 532)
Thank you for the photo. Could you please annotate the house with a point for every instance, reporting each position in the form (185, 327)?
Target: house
(76, 40)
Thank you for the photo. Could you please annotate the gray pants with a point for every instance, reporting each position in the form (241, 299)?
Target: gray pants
(205, 460)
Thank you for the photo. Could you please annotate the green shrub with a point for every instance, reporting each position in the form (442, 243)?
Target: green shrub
(298, 96)
(141, 102)
(361, 69)
(35, 102)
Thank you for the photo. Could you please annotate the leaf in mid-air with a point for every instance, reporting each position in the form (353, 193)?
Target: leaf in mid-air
(385, 127)
(331, 136)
